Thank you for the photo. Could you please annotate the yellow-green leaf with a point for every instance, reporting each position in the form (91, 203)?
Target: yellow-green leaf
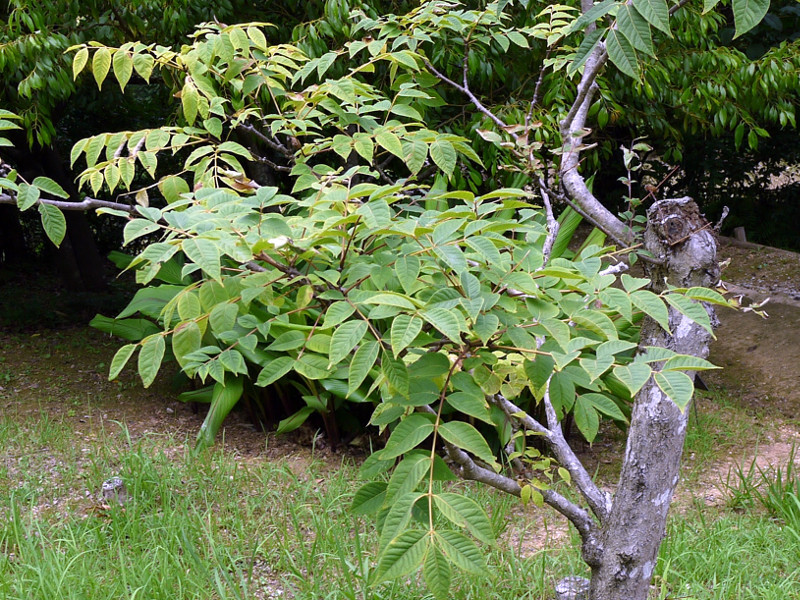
(101, 63)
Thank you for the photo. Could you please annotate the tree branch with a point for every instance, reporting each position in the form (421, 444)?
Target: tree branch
(470, 470)
(85, 204)
(552, 224)
(464, 89)
(598, 501)
(572, 133)
(268, 140)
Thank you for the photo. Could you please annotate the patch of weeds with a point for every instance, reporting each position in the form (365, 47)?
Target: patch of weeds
(773, 489)
(736, 556)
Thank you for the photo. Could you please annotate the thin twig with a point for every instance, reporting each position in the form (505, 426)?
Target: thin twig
(464, 89)
(268, 140)
(537, 90)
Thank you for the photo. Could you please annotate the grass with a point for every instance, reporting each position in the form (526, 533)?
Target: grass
(219, 526)
(203, 526)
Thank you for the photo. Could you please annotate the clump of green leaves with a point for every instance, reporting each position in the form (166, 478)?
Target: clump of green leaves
(441, 308)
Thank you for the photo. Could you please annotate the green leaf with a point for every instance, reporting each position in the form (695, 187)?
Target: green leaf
(389, 141)
(622, 54)
(53, 222)
(27, 196)
(150, 357)
(407, 475)
(519, 39)
(143, 64)
(655, 12)
(313, 366)
(336, 313)
(437, 573)
(186, 338)
(376, 213)
(407, 270)
(137, 228)
(79, 62)
(409, 433)
(172, 187)
(363, 360)
(120, 360)
(233, 361)
(538, 372)
(364, 145)
(586, 418)
(709, 5)
(465, 512)
(101, 63)
(462, 552)
(405, 330)
(444, 155)
(49, 186)
(605, 405)
(486, 248)
(403, 555)
(633, 283)
(684, 362)
(445, 321)
(635, 28)
(190, 100)
(324, 63)
(677, 385)
(597, 11)
(345, 338)
(470, 404)
(123, 68)
(588, 44)
(597, 322)
(223, 399)
(223, 317)
(634, 376)
(294, 421)
(396, 372)
(398, 517)
(747, 14)
(274, 370)
(369, 498)
(706, 295)
(466, 437)
(653, 306)
(691, 309)
(453, 257)
(205, 254)
(128, 329)
(416, 153)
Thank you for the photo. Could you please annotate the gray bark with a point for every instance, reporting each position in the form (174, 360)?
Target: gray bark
(630, 536)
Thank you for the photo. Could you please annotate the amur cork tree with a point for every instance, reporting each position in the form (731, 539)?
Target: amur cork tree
(459, 317)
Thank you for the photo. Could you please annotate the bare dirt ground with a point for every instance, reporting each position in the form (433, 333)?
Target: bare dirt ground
(63, 373)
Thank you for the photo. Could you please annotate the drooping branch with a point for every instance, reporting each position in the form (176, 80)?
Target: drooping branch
(599, 502)
(83, 205)
(471, 470)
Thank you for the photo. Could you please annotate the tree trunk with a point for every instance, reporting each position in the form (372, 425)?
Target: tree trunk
(630, 537)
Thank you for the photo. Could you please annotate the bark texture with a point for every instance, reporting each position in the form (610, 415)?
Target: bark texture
(680, 238)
